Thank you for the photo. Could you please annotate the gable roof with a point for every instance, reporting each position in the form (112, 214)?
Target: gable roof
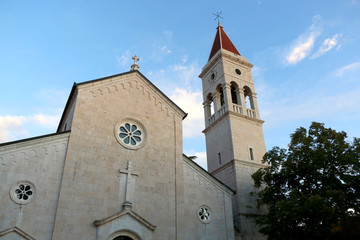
(222, 41)
(76, 85)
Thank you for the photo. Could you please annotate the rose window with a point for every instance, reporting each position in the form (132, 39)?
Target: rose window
(204, 214)
(130, 134)
(23, 192)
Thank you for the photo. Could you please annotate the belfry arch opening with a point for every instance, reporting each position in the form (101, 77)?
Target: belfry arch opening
(235, 96)
(249, 102)
(209, 105)
(220, 92)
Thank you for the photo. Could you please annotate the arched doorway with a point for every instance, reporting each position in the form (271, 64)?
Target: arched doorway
(123, 238)
(124, 235)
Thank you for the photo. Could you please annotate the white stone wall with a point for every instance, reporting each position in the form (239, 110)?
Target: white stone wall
(92, 182)
(202, 190)
(39, 161)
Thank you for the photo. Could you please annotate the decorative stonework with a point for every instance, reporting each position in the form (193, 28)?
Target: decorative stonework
(130, 133)
(122, 83)
(204, 214)
(22, 192)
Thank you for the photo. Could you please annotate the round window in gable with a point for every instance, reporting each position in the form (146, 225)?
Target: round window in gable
(204, 214)
(22, 192)
(130, 133)
(238, 72)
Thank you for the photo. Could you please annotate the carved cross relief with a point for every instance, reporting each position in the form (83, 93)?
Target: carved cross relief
(127, 182)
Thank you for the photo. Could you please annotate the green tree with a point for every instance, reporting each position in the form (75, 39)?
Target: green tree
(311, 189)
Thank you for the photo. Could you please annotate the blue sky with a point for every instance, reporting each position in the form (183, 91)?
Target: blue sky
(306, 57)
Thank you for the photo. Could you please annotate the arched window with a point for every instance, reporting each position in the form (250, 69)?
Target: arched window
(222, 102)
(248, 98)
(209, 105)
(234, 88)
(220, 91)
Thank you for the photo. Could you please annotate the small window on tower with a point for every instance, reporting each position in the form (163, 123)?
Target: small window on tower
(251, 154)
(238, 72)
(219, 156)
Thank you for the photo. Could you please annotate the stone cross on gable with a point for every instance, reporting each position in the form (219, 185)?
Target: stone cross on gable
(129, 184)
(135, 66)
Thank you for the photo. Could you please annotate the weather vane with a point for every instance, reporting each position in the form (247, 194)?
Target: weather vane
(217, 14)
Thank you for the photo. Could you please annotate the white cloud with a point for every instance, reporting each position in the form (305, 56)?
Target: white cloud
(14, 127)
(302, 46)
(124, 60)
(47, 121)
(327, 45)
(347, 69)
(11, 127)
(201, 158)
(301, 49)
(313, 107)
(190, 102)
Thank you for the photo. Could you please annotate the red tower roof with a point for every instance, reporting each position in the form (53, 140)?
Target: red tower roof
(222, 41)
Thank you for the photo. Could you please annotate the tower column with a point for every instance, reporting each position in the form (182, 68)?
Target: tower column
(242, 98)
(227, 96)
(207, 112)
(254, 95)
(216, 101)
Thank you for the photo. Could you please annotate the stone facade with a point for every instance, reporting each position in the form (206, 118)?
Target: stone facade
(115, 168)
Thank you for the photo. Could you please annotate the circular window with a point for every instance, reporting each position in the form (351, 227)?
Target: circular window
(212, 76)
(22, 192)
(238, 72)
(204, 214)
(130, 133)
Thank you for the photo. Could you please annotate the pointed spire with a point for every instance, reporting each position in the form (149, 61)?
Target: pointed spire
(222, 41)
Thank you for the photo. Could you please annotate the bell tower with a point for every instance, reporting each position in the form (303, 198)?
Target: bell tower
(235, 142)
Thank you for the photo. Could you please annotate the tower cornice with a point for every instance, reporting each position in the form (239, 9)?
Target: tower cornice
(224, 54)
(234, 114)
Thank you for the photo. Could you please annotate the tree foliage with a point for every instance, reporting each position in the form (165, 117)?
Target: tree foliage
(311, 189)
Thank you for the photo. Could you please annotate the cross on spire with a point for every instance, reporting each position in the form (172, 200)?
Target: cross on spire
(217, 16)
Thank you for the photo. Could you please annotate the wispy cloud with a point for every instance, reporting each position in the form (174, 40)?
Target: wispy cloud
(181, 75)
(165, 50)
(302, 46)
(327, 45)
(124, 60)
(168, 34)
(347, 69)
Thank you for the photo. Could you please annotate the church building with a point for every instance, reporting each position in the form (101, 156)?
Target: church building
(115, 168)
